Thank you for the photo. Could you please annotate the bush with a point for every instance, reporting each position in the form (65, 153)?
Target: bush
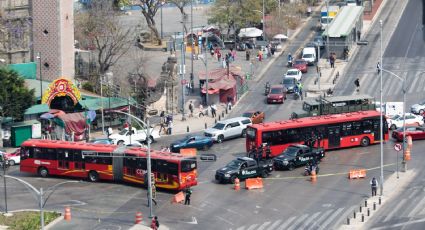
(88, 86)
(27, 220)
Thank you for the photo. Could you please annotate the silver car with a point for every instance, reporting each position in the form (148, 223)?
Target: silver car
(230, 128)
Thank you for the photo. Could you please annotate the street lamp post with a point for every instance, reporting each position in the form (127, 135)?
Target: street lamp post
(148, 153)
(162, 4)
(183, 65)
(40, 194)
(327, 28)
(380, 118)
(41, 76)
(193, 45)
(205, 61)
(4, 182)
(264, 23)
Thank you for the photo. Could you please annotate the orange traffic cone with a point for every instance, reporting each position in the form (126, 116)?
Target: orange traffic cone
(237, 184)
(139, 218)
(67, 214)
(407, 154)
(313, 176)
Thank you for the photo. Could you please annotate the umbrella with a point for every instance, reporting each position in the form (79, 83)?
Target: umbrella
(280, 36)
(251, 32)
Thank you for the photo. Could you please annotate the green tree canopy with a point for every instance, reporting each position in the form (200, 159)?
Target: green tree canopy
(15, 97)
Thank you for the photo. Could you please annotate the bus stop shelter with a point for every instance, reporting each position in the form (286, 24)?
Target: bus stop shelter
(345, 29)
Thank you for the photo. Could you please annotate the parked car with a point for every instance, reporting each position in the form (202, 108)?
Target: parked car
(415, 132)
(197, 142)
(318, 41)
(297, 155)
(13, 158)
(243, 168)
(295, 73)
(411, 119)
(301, 65)
(289, 83)
(229, 128)
(125, 137)
(418, 108)
(277, 94)
(256, 116)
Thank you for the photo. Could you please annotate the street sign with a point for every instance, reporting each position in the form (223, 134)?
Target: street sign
(398, 147)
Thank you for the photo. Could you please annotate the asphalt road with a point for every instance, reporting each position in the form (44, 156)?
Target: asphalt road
(288, 200)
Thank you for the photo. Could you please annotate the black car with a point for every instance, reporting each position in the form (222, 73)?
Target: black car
(242, 168)
(289, 83)
(297, 155)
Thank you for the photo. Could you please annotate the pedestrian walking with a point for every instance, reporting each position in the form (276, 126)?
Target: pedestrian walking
(357, 84)
(378, 68)
(260, 55)
(374, 185)
(300, 90)
(332, 60)
(201, 110)
(247, 54)
(191, 109)
(233, 52)
(155, 223)
(153, 198)
(213, 110)
(109, 131)
(170, 127)
(187, 197)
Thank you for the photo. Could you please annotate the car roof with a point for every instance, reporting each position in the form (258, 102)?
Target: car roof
(233, 119)
(300, 60)
(299, 146)
(245, 158)
(292, 70)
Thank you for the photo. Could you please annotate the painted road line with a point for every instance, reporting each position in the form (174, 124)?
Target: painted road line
(286, 223)
(227, 221)
(419, 205)
(299, 221)
(412, 87)
(322, 217)
(264, 225)
(414, 193)
(274, 225)
(252, 227)
(394, 210)
(399, 224)
(343, 217)
(310, 219)
(331, 218)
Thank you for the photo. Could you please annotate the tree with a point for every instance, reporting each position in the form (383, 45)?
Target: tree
(181, 4)
(100, 28)
(149, 10)
(15, 97)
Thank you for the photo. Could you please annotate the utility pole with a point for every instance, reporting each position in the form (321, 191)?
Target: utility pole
(206, 69)
(193, 45)
(182, 67)
(381, 121)
(264, 24)
(327, 29)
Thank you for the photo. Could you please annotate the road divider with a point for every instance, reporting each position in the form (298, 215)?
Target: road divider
(178, 198)
(253, 183)
(357, 173)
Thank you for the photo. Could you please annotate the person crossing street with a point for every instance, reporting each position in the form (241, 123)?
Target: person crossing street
(187, 197)
(374, 186)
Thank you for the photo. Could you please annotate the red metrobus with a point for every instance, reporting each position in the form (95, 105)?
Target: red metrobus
(332, 131)
(107, 162)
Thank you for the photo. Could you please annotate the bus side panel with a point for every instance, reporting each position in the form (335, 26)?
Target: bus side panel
(355, 140)
(104, 171)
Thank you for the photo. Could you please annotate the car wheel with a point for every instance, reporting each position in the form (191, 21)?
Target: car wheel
(150, 139)
(11, 162)
(43, 172)
(264, 174)
(205, 147)
(393, 127)
(220, 139)
(232, 179)
(365, 141)
(93, 176)
(243, 133)
(120, 143)
(291, 166)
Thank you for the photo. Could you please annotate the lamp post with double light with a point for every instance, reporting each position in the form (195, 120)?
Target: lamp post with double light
(41, 76)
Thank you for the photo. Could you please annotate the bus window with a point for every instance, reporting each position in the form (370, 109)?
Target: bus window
(162, 166)
(188, 165)
(142, 163)
(173, 168)
(250, 133)
(346, 129)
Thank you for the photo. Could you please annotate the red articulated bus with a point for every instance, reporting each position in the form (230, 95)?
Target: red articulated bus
(107, 162)
(331, 131)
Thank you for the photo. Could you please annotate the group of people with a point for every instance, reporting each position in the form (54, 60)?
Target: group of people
(260, 152)
(224, 61)
(166, 123)
(202, 112)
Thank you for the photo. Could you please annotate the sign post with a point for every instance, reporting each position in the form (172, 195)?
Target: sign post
(398, 148)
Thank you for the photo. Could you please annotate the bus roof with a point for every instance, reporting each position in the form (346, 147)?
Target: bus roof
(68, 145)
(142, 152)
(317, 100)
(314, 121)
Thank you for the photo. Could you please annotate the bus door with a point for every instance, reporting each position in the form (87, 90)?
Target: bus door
(162, 171)
(64, 157)
(117, 164)
(334, 136)
(79, 163)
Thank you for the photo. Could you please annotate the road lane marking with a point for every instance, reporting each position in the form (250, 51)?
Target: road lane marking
(414, 193)
(331, 218)
(227, 221)
(299, 221)
(286, 223)
(343, 216)
(322, 217)
(274, 225)
(399, 224)
(394, 210)
(264, 225)
(252, 227)
(419, 205)
(310, 219)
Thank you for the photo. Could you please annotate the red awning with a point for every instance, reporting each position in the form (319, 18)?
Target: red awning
(211, 91)
(220, 72)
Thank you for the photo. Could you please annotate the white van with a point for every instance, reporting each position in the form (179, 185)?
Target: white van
(309, 55)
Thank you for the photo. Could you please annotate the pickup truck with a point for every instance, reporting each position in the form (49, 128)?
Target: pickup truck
(297, 155)
(242, 168)
(124, 137)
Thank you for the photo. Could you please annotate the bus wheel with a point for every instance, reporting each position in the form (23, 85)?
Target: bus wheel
(11, 162)
(43, 172)
(93, 176)
(365, 141)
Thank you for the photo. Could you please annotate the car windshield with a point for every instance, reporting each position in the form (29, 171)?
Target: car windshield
(288, 81)
(299, 62)
(293, 72)
(291, 151)
(275, 91)
(123, 132)
(247, 114)
(234, 164)
(307, 55)
(219, 126)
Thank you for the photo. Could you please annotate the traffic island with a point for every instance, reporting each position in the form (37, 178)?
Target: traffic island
(28, 219)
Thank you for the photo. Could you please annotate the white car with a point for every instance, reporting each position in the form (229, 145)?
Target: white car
(12, 158)
(124, 137)
(411, 119)
(295, 73)
(418, 108)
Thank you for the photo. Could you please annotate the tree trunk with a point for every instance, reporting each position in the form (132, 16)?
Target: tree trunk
(184, 15)
(152, 26)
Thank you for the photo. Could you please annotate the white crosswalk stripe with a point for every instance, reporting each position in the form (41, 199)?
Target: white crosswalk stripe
(420, 87)
(394, 210)
(316, 223)
(309, 220)
(414, 86)
(252, 227)
(274, 225)
(264, 225)
(299, 221)
(286, 223)
(343, 216)
(241, 228)
(419, 205)
(331, 218)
